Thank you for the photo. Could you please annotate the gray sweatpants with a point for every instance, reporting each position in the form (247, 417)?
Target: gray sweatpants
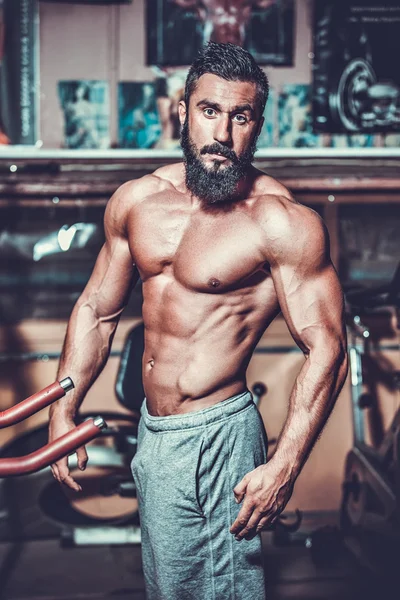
(185, 469)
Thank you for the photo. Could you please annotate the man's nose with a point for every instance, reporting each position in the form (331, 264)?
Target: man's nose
(223, 131)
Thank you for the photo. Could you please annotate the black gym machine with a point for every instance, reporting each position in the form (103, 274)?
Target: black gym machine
(369, 519)
(370, 510)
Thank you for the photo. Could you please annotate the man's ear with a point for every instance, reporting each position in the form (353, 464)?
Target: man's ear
(182, 111)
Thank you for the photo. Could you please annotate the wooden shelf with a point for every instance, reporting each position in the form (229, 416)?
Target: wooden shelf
(95, 179)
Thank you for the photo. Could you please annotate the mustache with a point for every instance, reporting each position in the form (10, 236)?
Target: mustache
(219, 149)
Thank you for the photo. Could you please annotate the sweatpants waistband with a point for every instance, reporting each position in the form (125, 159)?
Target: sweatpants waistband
(212, 414)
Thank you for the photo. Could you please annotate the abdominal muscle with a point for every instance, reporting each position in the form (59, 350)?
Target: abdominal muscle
(197, 346)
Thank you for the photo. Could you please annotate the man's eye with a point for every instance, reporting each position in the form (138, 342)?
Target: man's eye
(209, 112)
(240, 118)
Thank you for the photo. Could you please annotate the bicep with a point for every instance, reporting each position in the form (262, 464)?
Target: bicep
(112, 280)
(311, 301)
(114, 274)
(307, 285)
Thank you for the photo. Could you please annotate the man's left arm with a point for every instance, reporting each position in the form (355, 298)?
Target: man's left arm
(311, 301)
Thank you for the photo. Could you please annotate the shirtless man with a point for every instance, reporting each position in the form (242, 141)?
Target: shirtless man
(221, 249)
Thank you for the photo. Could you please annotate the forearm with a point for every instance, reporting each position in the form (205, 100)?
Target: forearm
(85, 352)
(311, 402)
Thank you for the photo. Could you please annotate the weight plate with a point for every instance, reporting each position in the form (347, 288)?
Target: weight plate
(348, 97)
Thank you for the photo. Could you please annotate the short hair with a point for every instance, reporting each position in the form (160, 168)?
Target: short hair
(229, 62)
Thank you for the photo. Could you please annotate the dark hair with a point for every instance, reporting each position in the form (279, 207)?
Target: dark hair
(81, 84)
(230, 62)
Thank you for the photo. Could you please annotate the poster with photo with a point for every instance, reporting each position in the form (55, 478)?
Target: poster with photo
(170, 90)
(295, 118)
(356, 79)
(266, 138)
(138, 120)
(18, 72)
(148, 111)
(86, 107)
(177, 29)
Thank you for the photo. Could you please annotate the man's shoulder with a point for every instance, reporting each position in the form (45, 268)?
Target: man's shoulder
(135, 191)
(274, 204)
(286, 223)
(265, 185)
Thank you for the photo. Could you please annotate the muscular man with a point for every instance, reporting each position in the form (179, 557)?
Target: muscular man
(221, 248)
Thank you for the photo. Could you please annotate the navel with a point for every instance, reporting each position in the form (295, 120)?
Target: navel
(214, 282)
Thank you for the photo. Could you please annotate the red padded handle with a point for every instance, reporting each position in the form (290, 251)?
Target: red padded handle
(66, 444)
(34, 403)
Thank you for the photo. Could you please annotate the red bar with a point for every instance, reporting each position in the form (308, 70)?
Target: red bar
(33, 404)
(66, 444)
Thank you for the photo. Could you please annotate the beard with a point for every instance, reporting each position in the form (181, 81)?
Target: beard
(217, 184)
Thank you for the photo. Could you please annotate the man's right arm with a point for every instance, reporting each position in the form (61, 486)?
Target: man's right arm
(93, 323)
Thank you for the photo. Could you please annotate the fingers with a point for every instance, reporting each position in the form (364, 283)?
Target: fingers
(61, 473)
(243, 517)
(58, 467)
(249, 531)
(82, 458)
(266, 522)
(247, 525)
(71, 483)
(240, 489)
(54, 469)
(255, 524)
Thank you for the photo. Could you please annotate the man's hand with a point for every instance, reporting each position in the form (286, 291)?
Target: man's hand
(59, 425)
(266, 491)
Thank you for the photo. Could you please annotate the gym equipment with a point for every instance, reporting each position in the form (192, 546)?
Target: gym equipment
(26, 457)
(348, 97)
(35, 506)
(370, 511)
(358, 102)
(52, 452)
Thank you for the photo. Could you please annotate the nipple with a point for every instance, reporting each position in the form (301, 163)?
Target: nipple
(213, 282)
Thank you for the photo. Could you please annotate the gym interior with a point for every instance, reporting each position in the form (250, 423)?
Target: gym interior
(88, 99)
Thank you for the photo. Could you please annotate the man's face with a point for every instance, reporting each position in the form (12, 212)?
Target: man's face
(219, 136)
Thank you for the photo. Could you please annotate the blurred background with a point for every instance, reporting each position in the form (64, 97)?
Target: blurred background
(88, 100)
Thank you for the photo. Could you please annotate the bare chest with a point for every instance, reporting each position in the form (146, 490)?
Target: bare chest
(204, 252)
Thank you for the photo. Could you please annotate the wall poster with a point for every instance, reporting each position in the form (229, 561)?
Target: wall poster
(86, 107)
(148, 111)
(18, 71)
(295, 119)
(138, 120)
(267, 135)
(177, 29)
(356, 78)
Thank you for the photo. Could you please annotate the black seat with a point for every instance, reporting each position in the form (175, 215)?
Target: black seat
(129, 386)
